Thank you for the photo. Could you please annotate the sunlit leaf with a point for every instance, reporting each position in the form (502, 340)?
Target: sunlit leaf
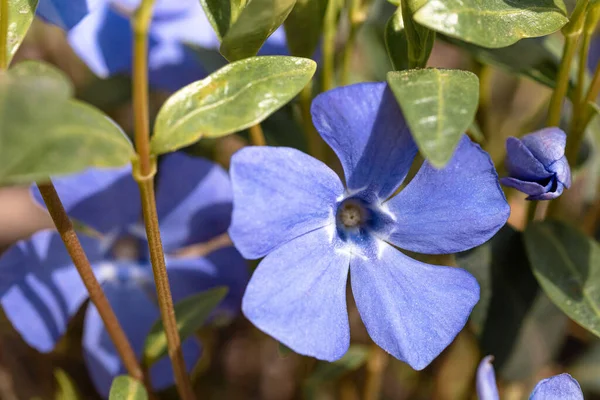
(222, 14)
(419, 38)
(233, 98)
(44, 132)
(257, 21)
(126, 388)
(439, 105)
(304, 27)
(493, 23)
(566, 263)
(191, 313)
(20, 16)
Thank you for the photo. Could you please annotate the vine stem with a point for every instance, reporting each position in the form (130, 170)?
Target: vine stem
(144, 170)
(316, 145)
(257, 137)
(329, 31)
(69, 237)
(376, 364)
(3, 34)
(354, 21)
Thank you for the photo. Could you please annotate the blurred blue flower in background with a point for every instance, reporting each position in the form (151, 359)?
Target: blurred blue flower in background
(537, 165)
(294, 210)
(100, 33)
(41, 290)
(559, 387)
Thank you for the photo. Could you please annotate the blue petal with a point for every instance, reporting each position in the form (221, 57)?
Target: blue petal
(222, 267)
(547, 145)
(137, 313)
(522, 164)
(486, 380)
(364, 126)
(65, 13)
(279, 194)
(453, 209)
(411, 309)
(559, 387)
(193, 200)
(298, 296)
(530, 188)
(549, 195)
(105, 199)
(562, 170)
(41, 289)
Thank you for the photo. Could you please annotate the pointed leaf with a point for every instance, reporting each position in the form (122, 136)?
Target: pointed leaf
(126, 388)
(191, 313)
(439, 105)
(566, 263)
(257, 21)
(67, 389)
(20, 16)
(396, 42)
(304, 27)
(222, 14)
(233, 98)
(493, 23)
(419, 38)
(44, 132)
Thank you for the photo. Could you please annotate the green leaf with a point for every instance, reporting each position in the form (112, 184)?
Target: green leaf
(66, 388)
(20, 16)
(513, 312)
(439, 105)
(222, 14)
(493, 23)
(325, 372)
(566, 263)
(126, 388)
(191, 313)
(396, 42)
(304, 27)
(257, 21)
(419, 38)
(233, 98)
(44, 132)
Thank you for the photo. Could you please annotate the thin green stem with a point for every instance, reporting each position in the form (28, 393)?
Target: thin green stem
(71, 241)
(329, 32)
(257, 137)
(144, 171)
(316, 145)
(531, 211)
(3, 34)
(354, 22)
(562, 82)
(376, 364)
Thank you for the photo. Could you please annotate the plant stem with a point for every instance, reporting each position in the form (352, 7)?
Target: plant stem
(329, 31)
(354, 21)
(376, 364)
(562, 82)
(531, 211)
(3, 34)
(81, 262)
(257, 137)
(316, 145)
(144, 171)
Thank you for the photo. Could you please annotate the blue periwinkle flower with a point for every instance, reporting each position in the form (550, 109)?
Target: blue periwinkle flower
(559, 387)
(99, 31)
(537, 165)
(41, 290)
(313, 230)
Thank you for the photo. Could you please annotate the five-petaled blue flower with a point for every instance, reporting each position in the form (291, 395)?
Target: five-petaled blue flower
(537, 165)
(294, 210)
(99, 31)
(41, 290)
(559, 387)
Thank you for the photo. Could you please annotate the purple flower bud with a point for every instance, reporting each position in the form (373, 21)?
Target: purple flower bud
(537, 165)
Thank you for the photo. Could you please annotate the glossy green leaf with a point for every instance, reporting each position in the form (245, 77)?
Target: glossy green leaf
(191, 313)
(126, 388)
(257, 21)
(66, 388)
(493, 23)
(512, 312)
(439, 105)
(20, 16)
(396, 42)
(419, 38)
(566, 263)
(233, 98)
(222, 14)
(325, 372)
(304, 27)
(44, 132)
